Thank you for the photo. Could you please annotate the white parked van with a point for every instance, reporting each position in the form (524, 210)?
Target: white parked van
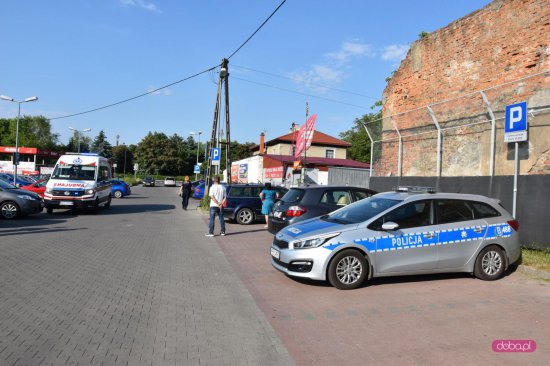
(79, 181)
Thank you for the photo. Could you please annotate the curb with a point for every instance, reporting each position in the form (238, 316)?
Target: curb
(533, 272)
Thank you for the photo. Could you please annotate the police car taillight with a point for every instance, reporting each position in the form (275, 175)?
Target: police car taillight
(514, 224)
(295, 211)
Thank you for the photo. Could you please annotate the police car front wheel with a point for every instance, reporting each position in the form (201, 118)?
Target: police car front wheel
(490, 264)
(347, 270)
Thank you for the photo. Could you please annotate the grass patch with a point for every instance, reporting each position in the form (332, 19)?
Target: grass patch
(536, 258)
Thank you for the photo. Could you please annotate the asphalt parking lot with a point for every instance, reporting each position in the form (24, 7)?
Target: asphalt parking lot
(139, 284)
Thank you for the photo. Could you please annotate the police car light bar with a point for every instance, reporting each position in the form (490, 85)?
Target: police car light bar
(415, 189)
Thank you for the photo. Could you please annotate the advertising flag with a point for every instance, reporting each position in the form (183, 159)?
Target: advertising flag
(305, 136)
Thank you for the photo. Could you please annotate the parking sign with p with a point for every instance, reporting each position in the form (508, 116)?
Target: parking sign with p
(515, 124)
(216, 156)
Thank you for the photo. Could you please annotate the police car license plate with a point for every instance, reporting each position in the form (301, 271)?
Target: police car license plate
(66, 203)
(275, 253)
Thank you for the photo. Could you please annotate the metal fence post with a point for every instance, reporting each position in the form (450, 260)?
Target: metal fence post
(434, 120)
(400, 152)
(371, 148)
(493, 133)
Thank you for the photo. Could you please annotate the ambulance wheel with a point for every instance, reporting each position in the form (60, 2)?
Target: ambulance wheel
(108, 204)
(244, 216)
(490, 264)
(347, 270)
(95, 206)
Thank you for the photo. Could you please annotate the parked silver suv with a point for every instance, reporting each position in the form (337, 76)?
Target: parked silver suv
(412, 230)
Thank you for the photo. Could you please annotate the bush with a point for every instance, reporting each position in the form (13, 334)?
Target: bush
(205, 203)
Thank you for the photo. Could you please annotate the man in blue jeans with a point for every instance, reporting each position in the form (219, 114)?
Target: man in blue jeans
(217, 199)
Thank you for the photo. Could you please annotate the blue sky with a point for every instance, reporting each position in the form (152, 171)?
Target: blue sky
(77, 55)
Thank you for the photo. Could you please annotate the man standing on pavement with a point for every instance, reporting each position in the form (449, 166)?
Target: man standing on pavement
(217, 199)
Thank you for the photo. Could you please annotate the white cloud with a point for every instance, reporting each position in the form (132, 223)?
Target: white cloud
(350, 50)
(395, 52)
(165, 91)
(318, 74)
(142, 4)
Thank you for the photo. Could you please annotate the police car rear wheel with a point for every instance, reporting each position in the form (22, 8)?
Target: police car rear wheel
(347, 270)
(490, 264)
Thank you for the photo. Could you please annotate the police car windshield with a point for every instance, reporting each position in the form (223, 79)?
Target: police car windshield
(361, 211)
(74, 172)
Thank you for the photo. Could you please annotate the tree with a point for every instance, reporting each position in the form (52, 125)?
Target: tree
(358, 138)
(158, 153)
(79, 138)
(34, 131)
(122, 154)
(101, 146)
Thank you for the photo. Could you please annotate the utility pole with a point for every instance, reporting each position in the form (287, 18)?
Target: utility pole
(215, 140)
(304, 168)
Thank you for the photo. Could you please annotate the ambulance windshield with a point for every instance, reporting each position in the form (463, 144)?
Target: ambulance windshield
(73, 172)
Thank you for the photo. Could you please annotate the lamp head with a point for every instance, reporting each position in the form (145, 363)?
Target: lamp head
(5, 97)
(87, 129)
(31, 99)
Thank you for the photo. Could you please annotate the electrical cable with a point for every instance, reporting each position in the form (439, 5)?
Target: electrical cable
(305, 83)
(176, 82)
(256, 31)
(137, 96)
(297, 92)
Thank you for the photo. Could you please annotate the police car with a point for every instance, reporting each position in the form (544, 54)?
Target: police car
(409, 231)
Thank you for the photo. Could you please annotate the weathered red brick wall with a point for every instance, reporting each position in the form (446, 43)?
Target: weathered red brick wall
(505, 41)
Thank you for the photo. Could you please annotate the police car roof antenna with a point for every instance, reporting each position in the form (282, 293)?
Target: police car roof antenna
(223, 79)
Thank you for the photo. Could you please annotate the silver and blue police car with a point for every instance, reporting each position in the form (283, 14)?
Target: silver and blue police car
(410, 231)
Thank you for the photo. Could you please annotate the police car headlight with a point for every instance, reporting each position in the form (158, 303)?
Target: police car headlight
(313, 242)
(90, 191)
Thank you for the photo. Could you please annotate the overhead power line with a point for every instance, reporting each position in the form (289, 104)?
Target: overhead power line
(256, 31)
(298, 92)
(175, 82)
(137, 96)
(305, 82)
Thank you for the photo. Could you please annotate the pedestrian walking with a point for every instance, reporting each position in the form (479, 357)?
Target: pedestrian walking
(185, 192)
(268, 196)
(217, 200)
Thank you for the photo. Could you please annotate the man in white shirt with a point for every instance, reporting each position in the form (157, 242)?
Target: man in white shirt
(217, 199)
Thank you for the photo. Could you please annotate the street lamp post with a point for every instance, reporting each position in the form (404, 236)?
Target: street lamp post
(78, 132)
(16, 159)
(198, 148)
(124, 144)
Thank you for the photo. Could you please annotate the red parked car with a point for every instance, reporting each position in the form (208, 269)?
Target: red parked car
(37, 187)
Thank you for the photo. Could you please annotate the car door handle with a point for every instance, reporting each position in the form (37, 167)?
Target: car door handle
(429, 235)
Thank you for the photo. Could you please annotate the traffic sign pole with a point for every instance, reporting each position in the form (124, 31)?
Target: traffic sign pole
(515, 130)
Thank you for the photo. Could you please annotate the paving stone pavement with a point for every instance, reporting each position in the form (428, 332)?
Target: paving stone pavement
(137, 284)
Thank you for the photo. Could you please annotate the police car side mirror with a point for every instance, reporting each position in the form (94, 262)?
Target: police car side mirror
(390, 226)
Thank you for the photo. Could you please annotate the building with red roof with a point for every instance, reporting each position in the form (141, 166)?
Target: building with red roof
(274, 161)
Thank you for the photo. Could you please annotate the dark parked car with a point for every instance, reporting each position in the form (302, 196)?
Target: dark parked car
(303, 203)
(244, 204)
(120, 188)
(17, 202)
(148, 182)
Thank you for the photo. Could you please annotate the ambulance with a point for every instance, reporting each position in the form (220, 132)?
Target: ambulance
(79, 180)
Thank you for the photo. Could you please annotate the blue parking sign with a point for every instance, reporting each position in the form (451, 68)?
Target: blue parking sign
(197, 169)
(515, 122)
(216, 152)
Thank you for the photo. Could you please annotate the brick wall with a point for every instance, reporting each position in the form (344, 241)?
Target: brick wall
(505, 41)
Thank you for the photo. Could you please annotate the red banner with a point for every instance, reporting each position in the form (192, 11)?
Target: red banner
(305, 136)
